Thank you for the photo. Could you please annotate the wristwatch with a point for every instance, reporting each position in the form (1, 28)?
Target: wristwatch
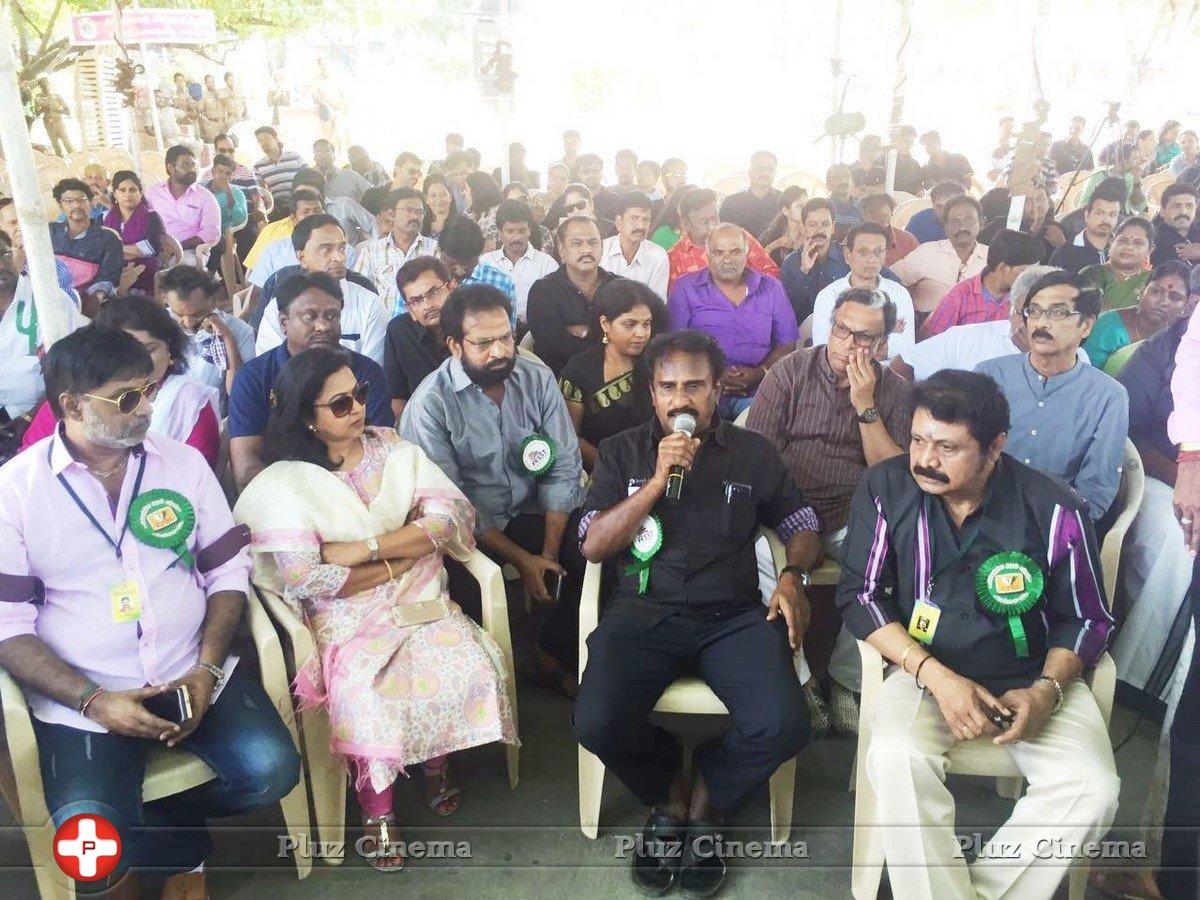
(373, 545)
(867, 416)
(798, 572)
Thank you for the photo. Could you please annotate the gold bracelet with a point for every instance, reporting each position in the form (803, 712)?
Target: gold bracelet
(388, 566)
(904, 656)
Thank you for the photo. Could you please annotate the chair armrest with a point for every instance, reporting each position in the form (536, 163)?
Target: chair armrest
(589, 609)
(778, 551)
(1103, 682)
(872, 672)
(493, 600)
(23, 752)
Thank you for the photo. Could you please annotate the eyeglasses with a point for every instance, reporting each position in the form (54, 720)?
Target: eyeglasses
(488, 343)
(129, 399)
(864, 339)
(577, 206)
(1152, 290)
(343, 404)
(422, 299)
(1054, 313)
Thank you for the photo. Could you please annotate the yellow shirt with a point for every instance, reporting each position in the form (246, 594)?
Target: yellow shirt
(270, 233)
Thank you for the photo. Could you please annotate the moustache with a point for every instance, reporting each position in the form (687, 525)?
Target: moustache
(1042, 333)
(930, 474)
(587, 258)
(690, 410)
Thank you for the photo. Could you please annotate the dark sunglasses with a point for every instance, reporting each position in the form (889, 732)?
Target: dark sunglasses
(343, 404)
(129, 399)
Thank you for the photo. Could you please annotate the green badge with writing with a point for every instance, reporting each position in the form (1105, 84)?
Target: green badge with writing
(1010, 584)
(538, 454)
(165, 520)
(646, 544)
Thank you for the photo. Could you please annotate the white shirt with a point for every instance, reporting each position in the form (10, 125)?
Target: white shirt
(363, 323)
(899, 342)
(21, 384)
(650, 265)
(380, 259)
(964, 347)
(524, 272)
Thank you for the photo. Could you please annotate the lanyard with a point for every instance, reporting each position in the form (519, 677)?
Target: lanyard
(137, 487)
(964, 547)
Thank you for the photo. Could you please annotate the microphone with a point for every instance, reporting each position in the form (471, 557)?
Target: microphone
(685, 423)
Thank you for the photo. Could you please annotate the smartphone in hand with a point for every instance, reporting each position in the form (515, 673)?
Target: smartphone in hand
(553, 585)
(174, 705)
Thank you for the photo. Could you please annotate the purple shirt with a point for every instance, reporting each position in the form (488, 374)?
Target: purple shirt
(195, 214)
(747, 333)
(56, 569)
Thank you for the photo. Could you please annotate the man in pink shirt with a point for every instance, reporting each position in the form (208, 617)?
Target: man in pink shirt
(984, 297)
(189, 212)
(933, 268)
(123, 578)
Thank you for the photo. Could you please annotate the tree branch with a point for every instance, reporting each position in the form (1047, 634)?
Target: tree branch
(50, 26)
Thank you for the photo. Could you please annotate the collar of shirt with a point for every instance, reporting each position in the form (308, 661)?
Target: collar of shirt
(614, 253)
(1040, 384)
(531, 252)
(752, 278)
(61, 458)
(459, 379)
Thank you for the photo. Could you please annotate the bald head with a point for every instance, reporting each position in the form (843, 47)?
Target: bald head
(727, 247)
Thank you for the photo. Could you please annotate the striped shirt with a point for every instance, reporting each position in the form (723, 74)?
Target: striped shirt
(901, 545)
(808, 416)
(278, 175)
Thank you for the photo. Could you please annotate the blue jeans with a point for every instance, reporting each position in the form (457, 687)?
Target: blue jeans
(730, 407)
(242, 739)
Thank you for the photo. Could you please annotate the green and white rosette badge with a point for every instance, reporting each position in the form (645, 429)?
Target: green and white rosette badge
(165, 520)
(646, 544)
(538, 454)
(1010, 584)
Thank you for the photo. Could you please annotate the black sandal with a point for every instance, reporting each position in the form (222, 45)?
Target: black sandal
(702, 871)
(657, 855)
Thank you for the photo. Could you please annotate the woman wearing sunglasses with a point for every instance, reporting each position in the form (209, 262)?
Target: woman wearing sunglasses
(182, 408)
(350, 525)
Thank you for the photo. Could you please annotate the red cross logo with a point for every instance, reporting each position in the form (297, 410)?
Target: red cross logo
(87, 847)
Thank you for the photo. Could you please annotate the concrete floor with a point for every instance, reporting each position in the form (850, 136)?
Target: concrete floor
(528, 841)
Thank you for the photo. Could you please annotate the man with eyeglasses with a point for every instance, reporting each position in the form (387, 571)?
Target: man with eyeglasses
(102, 615)
(560, 304)
(756, 207)
(497, 425)
(1069, 420)
(414, 345)
(310, 315)
(321, 247)
(93, 253)
(865, 250)
(832, 412)
(516, 256)
(380, 259)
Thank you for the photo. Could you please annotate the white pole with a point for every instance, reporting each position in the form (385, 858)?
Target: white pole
(48, 298)
(151, 80)
(505, 101)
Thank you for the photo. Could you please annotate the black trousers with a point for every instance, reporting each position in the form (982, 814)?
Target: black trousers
(560, 633)
(1180, 873)
(744, 659)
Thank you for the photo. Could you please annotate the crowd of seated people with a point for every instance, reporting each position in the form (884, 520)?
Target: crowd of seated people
(644, 375)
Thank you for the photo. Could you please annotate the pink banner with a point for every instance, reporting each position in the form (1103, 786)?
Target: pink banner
(145, 26)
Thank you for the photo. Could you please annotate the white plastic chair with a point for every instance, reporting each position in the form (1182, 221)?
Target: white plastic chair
(168, 772)
(685, 695)
(327, 774)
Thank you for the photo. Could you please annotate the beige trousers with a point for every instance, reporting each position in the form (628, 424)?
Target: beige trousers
(1071, 799)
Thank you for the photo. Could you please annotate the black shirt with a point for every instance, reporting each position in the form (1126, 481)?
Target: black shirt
(1166, 239)
(1067, 154)
(899, 539)
(908, 173)
(1073, 257)
(609, 407)
(953, 168)
(755, 214)
(707, 565)
(410, 352)
(554, 305)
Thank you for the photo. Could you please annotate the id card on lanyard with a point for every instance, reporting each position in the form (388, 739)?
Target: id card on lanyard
(124, 596)
(923, 623)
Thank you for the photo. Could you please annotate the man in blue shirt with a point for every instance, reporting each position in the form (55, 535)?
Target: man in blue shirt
(926, 225)
(310, 311)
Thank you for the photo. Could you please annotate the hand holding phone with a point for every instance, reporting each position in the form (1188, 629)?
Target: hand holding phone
(174, 705)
